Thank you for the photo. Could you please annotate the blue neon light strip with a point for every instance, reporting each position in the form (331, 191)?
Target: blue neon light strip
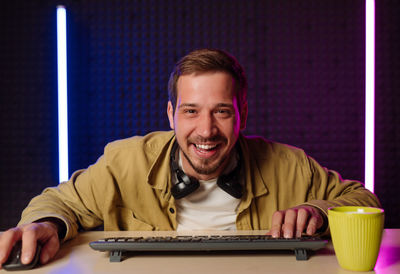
(62, 93)
(369, 94)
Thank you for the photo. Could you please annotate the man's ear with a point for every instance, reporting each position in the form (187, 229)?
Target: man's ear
(243, 116)
(170, 113)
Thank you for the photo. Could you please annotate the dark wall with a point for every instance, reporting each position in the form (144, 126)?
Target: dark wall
(28, 105)
(387, 121)
(304, 61)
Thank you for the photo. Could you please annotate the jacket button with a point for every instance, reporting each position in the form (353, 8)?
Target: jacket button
(171, 210)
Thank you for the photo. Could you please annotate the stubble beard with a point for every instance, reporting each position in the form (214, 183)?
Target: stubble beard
(204, 167)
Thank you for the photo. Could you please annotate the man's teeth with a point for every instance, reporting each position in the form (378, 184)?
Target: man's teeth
(205, 147)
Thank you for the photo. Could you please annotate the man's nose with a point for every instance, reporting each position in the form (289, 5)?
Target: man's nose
(206, 126)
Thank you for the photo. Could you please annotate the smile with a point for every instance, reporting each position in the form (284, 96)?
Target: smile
(205, 147)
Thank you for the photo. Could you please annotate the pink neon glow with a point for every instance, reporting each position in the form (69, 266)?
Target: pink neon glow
(389, 253)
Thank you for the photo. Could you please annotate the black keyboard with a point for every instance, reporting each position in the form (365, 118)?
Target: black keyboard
(117, 246)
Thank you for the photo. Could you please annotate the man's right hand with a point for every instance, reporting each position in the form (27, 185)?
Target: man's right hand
(45, 232)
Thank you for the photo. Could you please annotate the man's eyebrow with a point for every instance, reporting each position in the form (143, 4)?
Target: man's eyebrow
(186, 105)
(192, 105)
(224, 105)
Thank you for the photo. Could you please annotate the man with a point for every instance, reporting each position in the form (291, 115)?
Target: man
(202, 175)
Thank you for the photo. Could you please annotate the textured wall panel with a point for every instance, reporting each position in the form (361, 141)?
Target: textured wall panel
(304, 61)
(28, 115)
(387, 148)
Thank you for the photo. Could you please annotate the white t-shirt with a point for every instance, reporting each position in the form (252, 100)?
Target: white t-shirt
(209, 207)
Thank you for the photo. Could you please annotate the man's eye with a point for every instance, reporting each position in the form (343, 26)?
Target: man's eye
(189, 111)
(224, 112)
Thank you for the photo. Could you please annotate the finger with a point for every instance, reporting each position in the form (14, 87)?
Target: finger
(49, 250)
(7, 241)
(29, 243)
(276, 223)
(289, 225)
(302, 218)
(312, 225)
(316, 221)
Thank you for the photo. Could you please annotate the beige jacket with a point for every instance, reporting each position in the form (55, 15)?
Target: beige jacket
(128, 188)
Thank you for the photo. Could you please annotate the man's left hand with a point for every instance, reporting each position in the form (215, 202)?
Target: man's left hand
(294, 221)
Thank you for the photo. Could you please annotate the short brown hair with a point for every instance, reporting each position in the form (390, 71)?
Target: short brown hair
(209, 60)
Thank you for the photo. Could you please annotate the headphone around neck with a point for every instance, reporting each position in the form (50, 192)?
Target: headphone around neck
(186, 184)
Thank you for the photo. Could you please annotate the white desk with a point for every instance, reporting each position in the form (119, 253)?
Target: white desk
(76, 256)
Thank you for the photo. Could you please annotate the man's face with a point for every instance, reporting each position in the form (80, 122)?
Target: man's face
(206, 122)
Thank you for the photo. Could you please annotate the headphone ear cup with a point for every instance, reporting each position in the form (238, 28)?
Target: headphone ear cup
(230, 184)
(184, 186)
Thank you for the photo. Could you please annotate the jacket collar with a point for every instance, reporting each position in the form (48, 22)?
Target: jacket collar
(159, 176)
(255, 185)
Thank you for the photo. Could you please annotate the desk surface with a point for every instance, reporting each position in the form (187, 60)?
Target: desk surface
(76, 256)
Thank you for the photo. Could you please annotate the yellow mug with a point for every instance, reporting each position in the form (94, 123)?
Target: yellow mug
(356, 233)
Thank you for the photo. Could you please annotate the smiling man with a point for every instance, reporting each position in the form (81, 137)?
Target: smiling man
(204, 174)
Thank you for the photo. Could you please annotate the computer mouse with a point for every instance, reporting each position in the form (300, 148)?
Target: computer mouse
(14, 259)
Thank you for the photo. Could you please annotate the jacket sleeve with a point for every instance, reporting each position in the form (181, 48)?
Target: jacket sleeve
(328, 189)
(76, 202)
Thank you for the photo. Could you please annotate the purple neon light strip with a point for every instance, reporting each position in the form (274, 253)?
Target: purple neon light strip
(369, 94)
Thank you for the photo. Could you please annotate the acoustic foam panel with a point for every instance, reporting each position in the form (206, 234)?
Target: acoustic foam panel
(304, 61)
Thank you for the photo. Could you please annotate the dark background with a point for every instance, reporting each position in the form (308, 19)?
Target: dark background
(304, 61)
